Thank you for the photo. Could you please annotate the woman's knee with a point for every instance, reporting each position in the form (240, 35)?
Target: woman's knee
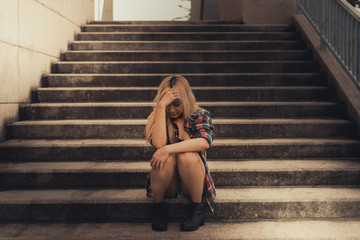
(187, 159)
(169, 164)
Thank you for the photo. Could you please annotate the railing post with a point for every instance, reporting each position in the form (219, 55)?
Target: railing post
(323, 27)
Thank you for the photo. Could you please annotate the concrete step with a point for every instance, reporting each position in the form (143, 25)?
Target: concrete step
(187, 28)
(195, 79)
(65, 175)
(185, 36)
(132, 205)
(138, 150)
(187, 45)
(163, 22)
(136, 110)
(216, 94)
(273, 55)
(224, 128)
(185, 67)
(266, 230)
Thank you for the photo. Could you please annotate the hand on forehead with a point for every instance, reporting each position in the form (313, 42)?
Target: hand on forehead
(174, 92)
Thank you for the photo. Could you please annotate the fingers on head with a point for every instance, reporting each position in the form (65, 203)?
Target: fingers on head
(173, 93)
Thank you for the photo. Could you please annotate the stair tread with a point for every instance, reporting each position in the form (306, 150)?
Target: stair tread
(160, 22)
(228, 195)
(270, 165)
(175, 33)
(193, 88)
(172, 62)
(186, 51)
(187, 41)
(204, 104)
(183, 24)
(141, 142)
(185, 74)
(266, 230)
(144, 121)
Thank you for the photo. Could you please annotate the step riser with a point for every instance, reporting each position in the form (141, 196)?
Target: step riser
(186, 56)
(58, 113)
(141, 211)
(188, 28)
(136, 153)
(284, 151)
(188, 67)
(194, 80)
(246, 131)
(178, 45)
(115, 179)
(187, 37)
(309, 94)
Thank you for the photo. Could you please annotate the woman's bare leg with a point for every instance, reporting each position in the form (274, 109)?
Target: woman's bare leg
(192, 173)
(164, 182)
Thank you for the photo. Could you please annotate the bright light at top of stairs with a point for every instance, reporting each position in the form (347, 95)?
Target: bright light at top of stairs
(150, 9)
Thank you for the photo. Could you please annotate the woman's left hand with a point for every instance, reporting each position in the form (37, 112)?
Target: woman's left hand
(159, 158)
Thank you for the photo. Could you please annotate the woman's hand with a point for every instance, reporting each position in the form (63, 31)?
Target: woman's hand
(159, 158)
(169, 97)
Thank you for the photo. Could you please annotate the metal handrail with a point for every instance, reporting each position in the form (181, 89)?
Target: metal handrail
(338, 24)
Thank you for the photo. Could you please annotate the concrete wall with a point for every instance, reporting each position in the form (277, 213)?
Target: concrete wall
(268, 11)
(247, 11)
(32, 34)
(195, 10)
(210, 8)
(108, 12)
(231, 10)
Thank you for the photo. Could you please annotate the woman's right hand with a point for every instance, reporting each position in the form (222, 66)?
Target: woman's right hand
(169, 97)
(159, 158)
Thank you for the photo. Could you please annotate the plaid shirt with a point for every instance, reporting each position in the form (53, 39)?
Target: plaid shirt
(198, 126)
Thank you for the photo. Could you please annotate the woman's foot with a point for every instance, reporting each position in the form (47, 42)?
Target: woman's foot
(195, 217)
(159, 222)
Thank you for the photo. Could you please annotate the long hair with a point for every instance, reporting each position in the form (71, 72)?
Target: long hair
(182, 86)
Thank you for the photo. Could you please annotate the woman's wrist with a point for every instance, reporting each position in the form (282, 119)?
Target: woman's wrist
(161, 105)
(169, 148)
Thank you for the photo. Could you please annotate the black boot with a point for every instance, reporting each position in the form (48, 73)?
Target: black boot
(159, 222)
(195, 218)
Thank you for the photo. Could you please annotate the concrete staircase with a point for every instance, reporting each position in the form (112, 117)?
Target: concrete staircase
(284, 151)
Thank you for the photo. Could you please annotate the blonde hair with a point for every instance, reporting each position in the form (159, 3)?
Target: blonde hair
(182, 87)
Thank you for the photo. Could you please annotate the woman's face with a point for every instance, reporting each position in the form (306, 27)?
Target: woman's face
(175, 109)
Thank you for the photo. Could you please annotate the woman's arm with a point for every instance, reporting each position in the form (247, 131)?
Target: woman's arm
(158, 131)
(192, 145)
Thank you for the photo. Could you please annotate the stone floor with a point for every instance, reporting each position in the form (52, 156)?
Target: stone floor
(226, 230)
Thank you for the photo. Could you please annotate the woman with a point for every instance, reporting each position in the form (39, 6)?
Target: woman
(181, 132)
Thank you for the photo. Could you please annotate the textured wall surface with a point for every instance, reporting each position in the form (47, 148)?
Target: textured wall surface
(195, 9)
(210, 8)
(268, 11)
(32, 34)
(230, 10)
(248, 11)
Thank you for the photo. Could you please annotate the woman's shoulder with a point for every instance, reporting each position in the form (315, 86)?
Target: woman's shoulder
(201, 112)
